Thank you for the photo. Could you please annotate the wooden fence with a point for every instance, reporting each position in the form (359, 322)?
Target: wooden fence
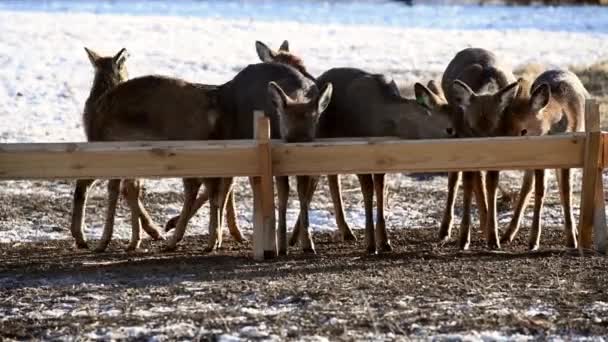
(263, 158)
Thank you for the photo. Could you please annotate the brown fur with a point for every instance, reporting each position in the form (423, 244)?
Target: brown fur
(156, 108)
(372, 106)
(553, 104)
(109, 72)
(282, 56)
(471, 83)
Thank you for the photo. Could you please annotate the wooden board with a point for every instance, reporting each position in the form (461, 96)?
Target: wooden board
(240, 158)
(128, 160)
(381, 155)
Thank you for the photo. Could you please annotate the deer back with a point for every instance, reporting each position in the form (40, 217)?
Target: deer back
(157, 108)
(367, 104)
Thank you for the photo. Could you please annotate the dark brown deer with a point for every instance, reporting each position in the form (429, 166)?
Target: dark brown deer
(269, 56)
(109, 72)
(477, 87)
(554, 104)
(373, 107)
(293, 102)
(159, 108)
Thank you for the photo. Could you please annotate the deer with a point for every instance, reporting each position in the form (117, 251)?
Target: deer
(109, 72)
(553, 104)
(282, 56)
(267, 55)
(293, 104)
(373, 107)
(145, 108)
(478, 87)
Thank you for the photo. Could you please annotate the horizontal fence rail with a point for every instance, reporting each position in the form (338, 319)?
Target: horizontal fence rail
(103, 160)
(328, 156)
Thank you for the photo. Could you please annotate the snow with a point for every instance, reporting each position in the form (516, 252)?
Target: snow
(45, 75)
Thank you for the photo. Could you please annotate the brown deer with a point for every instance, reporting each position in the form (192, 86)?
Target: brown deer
(109, 72)
(153, 108)
(554, 104)
(294, 103)
(269, 56)
(477, 87)
(373, 107)
(160, 108)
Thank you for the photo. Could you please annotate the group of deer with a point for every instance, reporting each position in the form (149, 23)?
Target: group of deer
(478, 97)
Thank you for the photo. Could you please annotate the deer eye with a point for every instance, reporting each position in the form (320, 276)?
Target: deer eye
(449, 131)
(523, 132)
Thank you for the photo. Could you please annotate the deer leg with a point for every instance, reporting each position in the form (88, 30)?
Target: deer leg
(479, 188)
(79, 203)
(283, 192)
(465, 223)
(304, 197)
(491, 222)
(108, 229)
(367, 188)
(295, 235)
(540, 185)
(191, 187)
(198, 203)
(133, 191)
(148, 225)
(383, 243)
(520, 207)
(448, 215)
(335, 189)
(233, 226)
(218, 192)
(565, 193)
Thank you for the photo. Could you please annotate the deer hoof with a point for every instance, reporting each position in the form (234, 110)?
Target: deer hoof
(309, 250)
(385, 247)
(82, 245)
(171, 223)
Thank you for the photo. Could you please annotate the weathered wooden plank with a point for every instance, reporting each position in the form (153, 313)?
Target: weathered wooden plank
(592, 173)
(128, 160)
(381, 155)
(265, 239)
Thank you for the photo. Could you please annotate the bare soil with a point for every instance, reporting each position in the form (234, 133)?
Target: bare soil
(50, 291)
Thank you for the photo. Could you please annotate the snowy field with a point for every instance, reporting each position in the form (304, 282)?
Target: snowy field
(45, 75)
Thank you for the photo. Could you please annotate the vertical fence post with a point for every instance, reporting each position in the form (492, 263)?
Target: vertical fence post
(264, 229)
(592, 215)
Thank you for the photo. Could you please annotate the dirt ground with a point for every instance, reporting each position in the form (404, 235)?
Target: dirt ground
(417, 291)
(50, 291)
(422, 290)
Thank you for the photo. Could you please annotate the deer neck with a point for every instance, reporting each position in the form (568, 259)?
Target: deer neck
(101, 84)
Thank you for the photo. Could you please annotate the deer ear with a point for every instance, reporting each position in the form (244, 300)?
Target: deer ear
(93, 56)
(424, 96)
(462, 93)
(278, 98)
(505, 96)
(432, 85)
(266, 55)
(121, 56)
(540, 97)
(284, 46)
(325, 98)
